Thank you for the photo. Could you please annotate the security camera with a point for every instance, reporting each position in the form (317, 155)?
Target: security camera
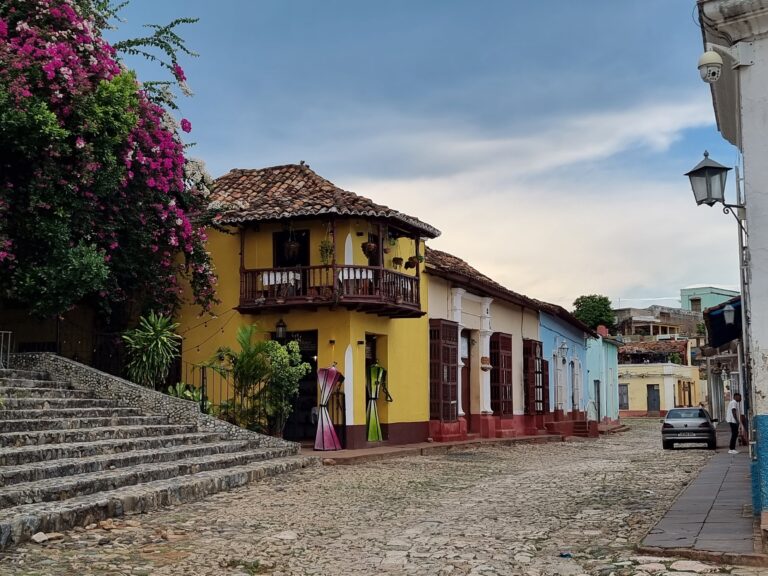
(710, 66)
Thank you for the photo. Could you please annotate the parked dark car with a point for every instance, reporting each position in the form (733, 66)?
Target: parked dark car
(688, 425)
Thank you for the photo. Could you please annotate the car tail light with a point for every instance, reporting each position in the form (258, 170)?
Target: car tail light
(667, 425)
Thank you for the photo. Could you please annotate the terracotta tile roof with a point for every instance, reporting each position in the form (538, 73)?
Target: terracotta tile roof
(453, 267)
(655, 347)
(282, 192)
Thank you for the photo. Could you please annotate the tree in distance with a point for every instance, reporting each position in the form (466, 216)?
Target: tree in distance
(594, 310)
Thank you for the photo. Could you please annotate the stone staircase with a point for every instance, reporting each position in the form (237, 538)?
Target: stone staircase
(69, 458)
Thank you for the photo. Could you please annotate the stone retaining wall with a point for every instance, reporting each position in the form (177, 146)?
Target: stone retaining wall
(131, 395)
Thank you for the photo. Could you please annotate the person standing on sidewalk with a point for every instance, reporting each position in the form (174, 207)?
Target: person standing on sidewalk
(733, 418)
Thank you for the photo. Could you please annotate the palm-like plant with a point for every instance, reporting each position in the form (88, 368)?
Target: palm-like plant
(266, 378)
(151, 347)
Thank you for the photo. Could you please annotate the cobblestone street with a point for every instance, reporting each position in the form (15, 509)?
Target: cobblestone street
(568, 508)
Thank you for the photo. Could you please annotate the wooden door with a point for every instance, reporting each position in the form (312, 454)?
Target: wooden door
(654, 401)
(466, 404)
(301, 424)
(501, 374)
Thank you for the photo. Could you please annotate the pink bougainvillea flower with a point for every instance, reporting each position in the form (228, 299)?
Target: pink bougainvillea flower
(80, 143)
(178, 71)
(186, 125)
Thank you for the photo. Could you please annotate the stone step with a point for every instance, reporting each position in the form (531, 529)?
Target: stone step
(71, 423)
(31, 374)
(45, 403)
(10, 475)
(56, 413)
(29, 454)
(36, 438)
(31, 383)
(83, 484)
(19, 523)
(21, 392)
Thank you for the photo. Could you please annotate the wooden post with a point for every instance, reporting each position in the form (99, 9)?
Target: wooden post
(242, 248)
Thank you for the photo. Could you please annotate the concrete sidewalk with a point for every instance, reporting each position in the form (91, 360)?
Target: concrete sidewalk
(712, 518)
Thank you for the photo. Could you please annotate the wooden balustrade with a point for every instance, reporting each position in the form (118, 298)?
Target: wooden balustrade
(369, 288)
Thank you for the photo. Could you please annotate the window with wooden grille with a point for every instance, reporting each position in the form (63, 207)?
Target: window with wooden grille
(443, 370)
(501, 374)
(535, 378)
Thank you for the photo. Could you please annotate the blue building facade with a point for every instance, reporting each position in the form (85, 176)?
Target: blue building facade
(699, 298)
(603, 378)
(564, 345)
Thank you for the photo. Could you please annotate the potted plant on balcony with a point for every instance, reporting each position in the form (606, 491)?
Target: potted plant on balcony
(413, 261)
(326, 251)
(397, 261)
(369, 248)
(291, 247)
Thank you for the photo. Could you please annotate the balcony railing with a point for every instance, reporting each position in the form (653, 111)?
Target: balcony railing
(370, 288)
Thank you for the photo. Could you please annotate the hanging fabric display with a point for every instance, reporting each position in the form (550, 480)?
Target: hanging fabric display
(377, 374)
(326, 438)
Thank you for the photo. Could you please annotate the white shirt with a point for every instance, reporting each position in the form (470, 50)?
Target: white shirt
(729, 413)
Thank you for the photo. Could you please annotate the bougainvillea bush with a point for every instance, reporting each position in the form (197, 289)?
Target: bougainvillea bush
(97, 200)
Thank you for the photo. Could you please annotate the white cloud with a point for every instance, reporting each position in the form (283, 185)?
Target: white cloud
(512, 209)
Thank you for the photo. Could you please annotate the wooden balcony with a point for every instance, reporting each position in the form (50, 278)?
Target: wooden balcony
(370, 289)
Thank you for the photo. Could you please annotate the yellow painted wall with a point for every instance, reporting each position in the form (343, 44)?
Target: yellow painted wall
(402, 344)
(666, 376)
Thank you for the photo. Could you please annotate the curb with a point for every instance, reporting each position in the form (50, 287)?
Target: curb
(753, 559)
(436, 448)
(617, 430)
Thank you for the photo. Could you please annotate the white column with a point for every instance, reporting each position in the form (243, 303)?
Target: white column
(456, 295)
(485, 350)
(349, 386)
(754, 106)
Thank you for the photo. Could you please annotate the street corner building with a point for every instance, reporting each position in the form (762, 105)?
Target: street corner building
(339, 274)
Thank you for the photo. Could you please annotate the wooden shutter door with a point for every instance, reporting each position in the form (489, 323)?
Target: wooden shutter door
(501, 374)
(443, 370)
(529, 376)
(545, 385)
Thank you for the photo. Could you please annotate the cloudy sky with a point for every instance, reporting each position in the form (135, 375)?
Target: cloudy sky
(546, 140)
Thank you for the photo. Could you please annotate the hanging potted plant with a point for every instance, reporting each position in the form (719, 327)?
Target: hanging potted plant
(369, 248)
(291, 247)
(326, 251)
(413, 261)
(397, 261)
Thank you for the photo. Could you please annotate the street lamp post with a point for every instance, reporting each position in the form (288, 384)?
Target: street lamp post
(708, 184)
(708, 181)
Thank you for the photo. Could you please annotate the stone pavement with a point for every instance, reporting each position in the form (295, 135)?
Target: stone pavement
(713, 514)
(569, 508)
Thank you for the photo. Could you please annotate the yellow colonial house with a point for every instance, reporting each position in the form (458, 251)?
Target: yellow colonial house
(340, 274)
(656, 376)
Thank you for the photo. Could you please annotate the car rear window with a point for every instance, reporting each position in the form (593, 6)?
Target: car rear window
(675, 414)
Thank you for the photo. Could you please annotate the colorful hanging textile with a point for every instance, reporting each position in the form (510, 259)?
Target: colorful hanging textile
(326, 438)
(376, 378)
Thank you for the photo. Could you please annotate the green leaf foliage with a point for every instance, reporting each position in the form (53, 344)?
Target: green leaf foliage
(266, 377)
(594, 310)
(151, 347)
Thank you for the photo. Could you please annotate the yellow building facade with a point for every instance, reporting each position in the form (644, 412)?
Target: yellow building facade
(655, 388)
(337, 273)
